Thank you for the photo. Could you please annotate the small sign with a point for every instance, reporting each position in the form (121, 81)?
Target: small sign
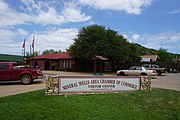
(89, 84)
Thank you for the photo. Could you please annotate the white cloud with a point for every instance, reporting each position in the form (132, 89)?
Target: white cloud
(129, 6)
(22, 32)
(135, 37)
(57, 39)
(9, 43)
(40, 12)
(164, 37)
(43, 12)
(10, 17)
(3, 6)
(75, 15)
(31, 4)
(6, 34)
(49, 17)
(125, 36)
(167, 40)
(47, 14)
(177, 11)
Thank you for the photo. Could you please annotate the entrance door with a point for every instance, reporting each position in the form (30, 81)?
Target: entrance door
(47, 65)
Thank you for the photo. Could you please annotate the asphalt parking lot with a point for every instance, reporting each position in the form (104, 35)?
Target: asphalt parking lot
(166, 81)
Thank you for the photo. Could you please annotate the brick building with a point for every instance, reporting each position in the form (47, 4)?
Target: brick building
(63, 61)
(52, 61)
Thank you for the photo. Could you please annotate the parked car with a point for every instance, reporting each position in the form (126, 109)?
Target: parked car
(137, 70)
(10, 72)
(155, 67)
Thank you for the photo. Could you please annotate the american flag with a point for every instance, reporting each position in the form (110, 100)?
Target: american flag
(24, 43)
(33, 42)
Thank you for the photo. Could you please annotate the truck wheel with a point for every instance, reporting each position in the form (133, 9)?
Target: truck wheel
(26, 79)
(158, 73)
(143, 74)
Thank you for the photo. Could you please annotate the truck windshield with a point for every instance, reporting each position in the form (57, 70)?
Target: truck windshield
(155, 66)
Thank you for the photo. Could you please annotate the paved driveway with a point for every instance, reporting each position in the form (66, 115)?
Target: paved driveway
(12, 88)
(15, 87)
(167, 81)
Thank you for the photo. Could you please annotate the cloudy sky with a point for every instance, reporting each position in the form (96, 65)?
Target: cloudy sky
(55, 23)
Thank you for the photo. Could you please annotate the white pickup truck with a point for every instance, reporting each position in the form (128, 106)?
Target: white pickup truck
(155, 67)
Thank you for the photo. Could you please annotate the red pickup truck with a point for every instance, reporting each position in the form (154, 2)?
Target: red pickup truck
(10, 72)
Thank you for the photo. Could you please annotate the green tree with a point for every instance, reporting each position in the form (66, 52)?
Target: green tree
(96, 40)
(89, 43)
(118, 51)
(28, 54)
(134, 53)
(50, 51)
(163, 54)
(35, 53)
(143, 50)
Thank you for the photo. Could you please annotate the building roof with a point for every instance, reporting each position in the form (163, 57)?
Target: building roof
(10, 58)
(150, 57)
(62, 55)
(100, 58)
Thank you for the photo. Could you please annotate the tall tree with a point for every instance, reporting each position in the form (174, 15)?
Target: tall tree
(134, 53)
(96, 40)
(88, 43)
(117, 48)
(163, 54)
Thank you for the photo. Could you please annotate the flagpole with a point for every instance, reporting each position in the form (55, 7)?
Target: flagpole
(24, 52)
(24, 49)
(30, 51)
(33, 45)
(33, 51)
(24, 46)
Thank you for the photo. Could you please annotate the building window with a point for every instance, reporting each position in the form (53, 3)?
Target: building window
(64, 64)
(70, 64)
(67, 63)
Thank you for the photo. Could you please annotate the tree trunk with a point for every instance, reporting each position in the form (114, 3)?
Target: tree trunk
(113, 64)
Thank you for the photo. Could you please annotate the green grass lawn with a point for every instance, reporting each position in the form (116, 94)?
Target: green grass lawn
(159, 104)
